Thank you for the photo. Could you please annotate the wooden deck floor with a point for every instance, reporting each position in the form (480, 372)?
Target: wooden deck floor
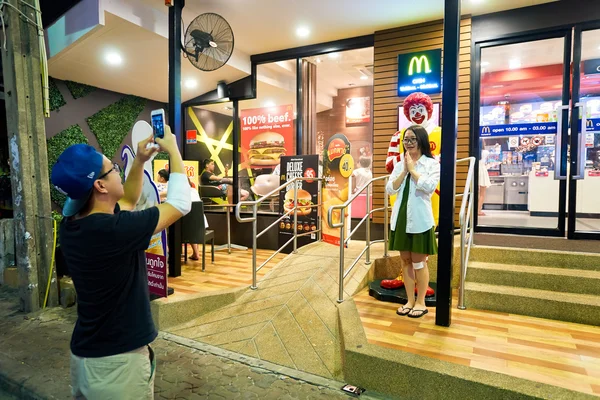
(553, 352)
(229, 271)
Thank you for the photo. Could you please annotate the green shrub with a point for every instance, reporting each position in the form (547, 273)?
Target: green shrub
(112, 124)
(56, 98)
(163, 155)
(79, 90)
(56, 145)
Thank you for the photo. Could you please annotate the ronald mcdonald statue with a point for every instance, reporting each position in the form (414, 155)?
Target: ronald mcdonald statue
(418, 109)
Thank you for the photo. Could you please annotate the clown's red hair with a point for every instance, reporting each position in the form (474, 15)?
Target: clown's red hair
(417, 98)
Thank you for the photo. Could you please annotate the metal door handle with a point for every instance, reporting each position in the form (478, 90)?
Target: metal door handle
(582, 149)
(558, 144)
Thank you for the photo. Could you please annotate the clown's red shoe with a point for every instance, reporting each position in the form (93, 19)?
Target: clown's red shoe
(391, 284)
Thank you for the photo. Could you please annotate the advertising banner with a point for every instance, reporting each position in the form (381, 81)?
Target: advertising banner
(156, 254)
(338, 165)
(358, 110)
(518, 129)
(191, 169)
(307, 196)
(267, 135)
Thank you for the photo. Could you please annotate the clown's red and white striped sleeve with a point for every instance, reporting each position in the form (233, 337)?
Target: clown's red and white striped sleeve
(393, 155)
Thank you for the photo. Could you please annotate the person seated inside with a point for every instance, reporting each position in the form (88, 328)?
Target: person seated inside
(163, 184)
(208, 178)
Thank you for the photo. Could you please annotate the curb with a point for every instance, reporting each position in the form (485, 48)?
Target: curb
(265, 366)
(12, 387)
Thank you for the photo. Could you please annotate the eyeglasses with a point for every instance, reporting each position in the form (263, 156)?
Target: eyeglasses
(410, 141)
(115, 168)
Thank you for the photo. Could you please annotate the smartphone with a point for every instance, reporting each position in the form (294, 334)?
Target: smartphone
(158, 123)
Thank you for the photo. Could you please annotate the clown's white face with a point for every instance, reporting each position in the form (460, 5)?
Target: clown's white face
(418, 114)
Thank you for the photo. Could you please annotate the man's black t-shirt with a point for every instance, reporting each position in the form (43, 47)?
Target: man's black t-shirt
(205, 179)
(105, 256)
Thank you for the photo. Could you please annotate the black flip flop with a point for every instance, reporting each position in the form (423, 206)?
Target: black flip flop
(194, 258)
(402, 314)
(419, 315)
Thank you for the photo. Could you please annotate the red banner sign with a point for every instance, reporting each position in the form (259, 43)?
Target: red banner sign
(267, 134)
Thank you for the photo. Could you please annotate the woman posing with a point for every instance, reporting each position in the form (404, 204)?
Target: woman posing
(413, 228)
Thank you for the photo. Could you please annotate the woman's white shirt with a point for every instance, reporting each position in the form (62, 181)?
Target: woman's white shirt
(419, 216)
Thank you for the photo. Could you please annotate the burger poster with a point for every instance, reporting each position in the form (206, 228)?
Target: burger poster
(338, 165)
(267, 134)
(306, 197)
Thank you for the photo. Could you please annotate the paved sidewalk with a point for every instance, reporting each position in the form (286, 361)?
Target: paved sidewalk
(34, 361)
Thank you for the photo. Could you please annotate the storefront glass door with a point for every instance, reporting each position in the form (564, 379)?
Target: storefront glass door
(523, 135)
(584, 174)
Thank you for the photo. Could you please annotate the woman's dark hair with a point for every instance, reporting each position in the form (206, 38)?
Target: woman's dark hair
(205, 162)
(422, 139)
(163, 173)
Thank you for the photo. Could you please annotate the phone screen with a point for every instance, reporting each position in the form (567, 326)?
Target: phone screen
(158, 124)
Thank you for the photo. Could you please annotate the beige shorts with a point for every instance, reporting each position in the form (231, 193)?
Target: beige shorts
(122, 376)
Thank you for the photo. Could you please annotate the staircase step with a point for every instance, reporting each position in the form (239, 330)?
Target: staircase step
(569, 307)
(543, 278)
(538, 258)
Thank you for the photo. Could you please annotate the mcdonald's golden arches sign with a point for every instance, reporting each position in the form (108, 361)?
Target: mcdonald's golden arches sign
(420, 72)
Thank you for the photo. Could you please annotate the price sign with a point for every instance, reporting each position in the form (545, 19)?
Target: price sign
(346, 165)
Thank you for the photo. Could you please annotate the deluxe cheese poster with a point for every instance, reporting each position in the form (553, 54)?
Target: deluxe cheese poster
(307, 196)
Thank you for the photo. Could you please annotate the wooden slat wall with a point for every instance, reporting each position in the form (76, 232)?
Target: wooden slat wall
(390, 43)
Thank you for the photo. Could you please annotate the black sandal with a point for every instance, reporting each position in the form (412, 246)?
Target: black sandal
(402, 313)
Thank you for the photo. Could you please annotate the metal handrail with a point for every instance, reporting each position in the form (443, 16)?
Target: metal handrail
(342, 224)
(466, 227)
(466, 242)
(255, 234)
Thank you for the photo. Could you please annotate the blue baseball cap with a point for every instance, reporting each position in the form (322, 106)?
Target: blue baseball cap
(74, 175)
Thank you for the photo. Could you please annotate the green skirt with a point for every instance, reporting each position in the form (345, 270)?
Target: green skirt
(399, 240)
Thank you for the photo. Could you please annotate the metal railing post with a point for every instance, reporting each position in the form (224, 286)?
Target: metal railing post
(368, 226)
(385, 219)
(254, 234)
(295, 218)
(461, 289)
(342, 240)
(228, 229)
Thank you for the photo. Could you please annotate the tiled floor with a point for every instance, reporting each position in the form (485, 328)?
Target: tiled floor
(291, 319)
(523, 219)
(553, 352)
(229, 271)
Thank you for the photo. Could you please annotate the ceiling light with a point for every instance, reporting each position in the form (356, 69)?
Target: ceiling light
(485, 63)
(269, 104)
(334, 56)
(191, 83)
(477, 1)
(364, 77)
(302, 32)
(114, 59)
(514, 63)
(318, 61)
(351, 84)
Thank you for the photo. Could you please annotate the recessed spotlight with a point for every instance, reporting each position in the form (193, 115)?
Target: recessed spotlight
(114, 58)
(485, 63)
(334, 56)
(302, 32)
(514, 63)
(364, 77)
(477, 1)
(269, 104)
(318, 61)
(191, 83)
(351, 84)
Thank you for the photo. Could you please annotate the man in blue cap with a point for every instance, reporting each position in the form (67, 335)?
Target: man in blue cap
(103, 243)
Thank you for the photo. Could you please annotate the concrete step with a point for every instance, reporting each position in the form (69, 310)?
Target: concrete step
(538, 258)
(560, 280)
(570, 307)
